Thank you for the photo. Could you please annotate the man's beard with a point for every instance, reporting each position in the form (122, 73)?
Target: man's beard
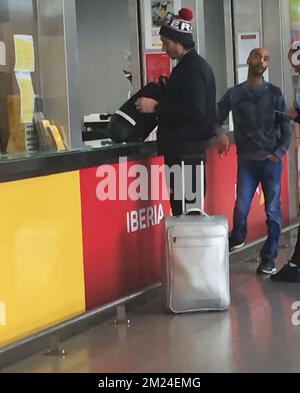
(256, 72)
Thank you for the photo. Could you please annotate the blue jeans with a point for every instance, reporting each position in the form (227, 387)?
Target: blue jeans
(250, 174)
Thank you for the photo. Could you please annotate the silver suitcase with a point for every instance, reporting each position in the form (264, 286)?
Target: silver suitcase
(197, 260)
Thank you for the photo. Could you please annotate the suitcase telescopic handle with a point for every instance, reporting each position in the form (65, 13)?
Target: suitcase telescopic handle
(194, 212)
(201, 191)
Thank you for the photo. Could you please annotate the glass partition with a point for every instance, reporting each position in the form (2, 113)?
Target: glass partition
(35, 111)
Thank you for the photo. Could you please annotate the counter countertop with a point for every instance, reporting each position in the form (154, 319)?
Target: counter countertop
(26, 166)
(41, 164)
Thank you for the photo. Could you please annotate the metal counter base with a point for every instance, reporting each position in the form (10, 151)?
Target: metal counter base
(51, 340)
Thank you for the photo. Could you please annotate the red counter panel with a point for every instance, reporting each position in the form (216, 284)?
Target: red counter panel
(121, 254)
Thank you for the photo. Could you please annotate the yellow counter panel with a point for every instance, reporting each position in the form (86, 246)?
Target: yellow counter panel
(41, 256)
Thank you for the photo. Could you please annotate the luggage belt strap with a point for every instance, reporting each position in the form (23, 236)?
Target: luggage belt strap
(126, 117)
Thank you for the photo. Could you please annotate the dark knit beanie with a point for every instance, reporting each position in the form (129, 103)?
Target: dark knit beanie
(178, 28)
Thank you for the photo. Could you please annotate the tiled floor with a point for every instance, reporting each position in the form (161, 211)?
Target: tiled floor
(256, 335)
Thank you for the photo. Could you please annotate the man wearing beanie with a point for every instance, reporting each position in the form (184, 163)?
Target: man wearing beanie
(186, 114)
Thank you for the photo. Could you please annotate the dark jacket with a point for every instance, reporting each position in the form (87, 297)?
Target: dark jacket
(187, 112)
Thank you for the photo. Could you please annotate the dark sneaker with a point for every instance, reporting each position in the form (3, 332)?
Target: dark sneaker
(234, 245)
(287, 274)
(266, 266)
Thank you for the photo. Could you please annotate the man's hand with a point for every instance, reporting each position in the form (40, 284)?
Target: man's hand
(223, 144)
(273, 158)
(146, 105)
(292, 113)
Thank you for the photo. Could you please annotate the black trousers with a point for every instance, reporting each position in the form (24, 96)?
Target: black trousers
(193, 162)
(296, 256)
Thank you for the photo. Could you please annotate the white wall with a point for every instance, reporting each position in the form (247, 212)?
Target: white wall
(215, 42)
(103, 39)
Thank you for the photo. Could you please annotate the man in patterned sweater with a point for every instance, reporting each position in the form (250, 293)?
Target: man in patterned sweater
(262, 137)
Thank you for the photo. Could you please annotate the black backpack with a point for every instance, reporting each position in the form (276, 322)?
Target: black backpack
(128, 124)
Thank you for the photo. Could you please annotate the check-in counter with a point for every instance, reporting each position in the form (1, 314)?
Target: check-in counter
(63, 251)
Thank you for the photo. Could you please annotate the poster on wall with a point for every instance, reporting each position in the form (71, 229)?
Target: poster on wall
(155, 13)
(27, 96)
(246, 42)
(157, 64)
(295, 36)
(295, 20)
(242, 74)
(24, 53)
